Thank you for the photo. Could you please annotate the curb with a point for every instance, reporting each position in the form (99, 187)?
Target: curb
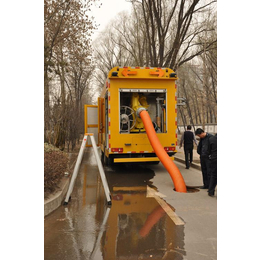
(55, 200)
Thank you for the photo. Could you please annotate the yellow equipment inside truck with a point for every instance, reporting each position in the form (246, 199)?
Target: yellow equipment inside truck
(121, 133)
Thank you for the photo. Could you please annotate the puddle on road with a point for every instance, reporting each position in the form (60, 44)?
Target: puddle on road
(137, 226)
(134, 227)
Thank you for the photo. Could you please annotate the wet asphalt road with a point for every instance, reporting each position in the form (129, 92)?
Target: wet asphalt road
(134, 227)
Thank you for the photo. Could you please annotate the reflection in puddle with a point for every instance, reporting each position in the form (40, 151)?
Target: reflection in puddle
(135, 227)
(138, 227)
(102, 228)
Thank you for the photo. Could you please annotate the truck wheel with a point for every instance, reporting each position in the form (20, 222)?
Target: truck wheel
(105, 160)
(108, 161)
(102, 156)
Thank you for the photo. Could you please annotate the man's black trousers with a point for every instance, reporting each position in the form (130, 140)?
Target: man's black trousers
(188, 150)
(213, 176)
(205, 168)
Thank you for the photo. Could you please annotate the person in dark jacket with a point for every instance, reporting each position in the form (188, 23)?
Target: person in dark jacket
(203, 151)
(213, 165)
(188, 138)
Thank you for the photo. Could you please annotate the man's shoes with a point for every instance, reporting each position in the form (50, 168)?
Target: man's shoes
(203, 187)
(187, 168)
(211, 194)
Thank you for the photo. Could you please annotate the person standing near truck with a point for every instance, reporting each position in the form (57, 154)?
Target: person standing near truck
(203, 151)
(213, 165)
(188, 138)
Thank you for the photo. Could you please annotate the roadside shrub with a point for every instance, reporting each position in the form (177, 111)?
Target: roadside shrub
(55, 165)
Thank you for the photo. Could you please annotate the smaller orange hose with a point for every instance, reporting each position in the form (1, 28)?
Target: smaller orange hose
(170, 166)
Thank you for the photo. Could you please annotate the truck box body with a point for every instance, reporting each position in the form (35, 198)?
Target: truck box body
(121, 133)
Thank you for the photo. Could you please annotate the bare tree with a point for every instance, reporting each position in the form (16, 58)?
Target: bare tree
(172, 30)
(67, 63)
(178, 34)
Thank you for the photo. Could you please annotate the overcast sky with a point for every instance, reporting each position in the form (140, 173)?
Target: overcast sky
(108, 10)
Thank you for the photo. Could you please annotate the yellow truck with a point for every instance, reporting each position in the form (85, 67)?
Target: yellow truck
(121, 133)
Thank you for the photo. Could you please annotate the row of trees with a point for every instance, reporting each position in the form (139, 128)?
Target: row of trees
(165, 33)
(67, 67)
(179, 34)
(198, 84)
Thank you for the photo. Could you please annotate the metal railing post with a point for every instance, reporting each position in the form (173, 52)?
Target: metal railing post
(76, 169)
(101, 170)
(100, 167)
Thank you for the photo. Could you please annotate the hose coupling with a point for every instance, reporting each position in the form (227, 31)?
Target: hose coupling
(139, 110)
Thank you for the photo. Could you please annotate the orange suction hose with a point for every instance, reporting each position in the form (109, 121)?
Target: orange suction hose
(170, 166)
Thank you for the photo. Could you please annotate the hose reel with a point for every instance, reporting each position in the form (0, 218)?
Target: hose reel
(127, 119)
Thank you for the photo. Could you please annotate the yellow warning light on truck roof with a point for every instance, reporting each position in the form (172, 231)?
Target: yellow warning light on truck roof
(142, 72)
